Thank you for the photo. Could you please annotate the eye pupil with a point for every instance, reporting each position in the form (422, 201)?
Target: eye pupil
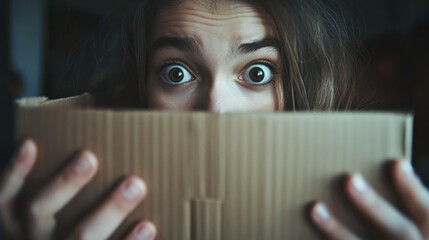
(257, 74)
(176, 75)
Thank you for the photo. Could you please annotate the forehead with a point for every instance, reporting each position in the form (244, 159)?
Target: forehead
(235, 21)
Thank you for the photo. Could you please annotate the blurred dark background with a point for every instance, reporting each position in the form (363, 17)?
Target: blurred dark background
(59, 48)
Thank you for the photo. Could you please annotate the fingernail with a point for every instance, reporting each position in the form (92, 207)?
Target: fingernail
(146, 232)
(359, 183)
(322, 212)
(133, 189)
(26, 148)
(406, 167)
(85, 163)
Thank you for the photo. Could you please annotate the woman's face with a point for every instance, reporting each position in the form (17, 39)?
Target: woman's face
(217, 59)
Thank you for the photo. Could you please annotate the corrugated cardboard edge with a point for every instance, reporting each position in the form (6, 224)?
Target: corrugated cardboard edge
(83, 100)
(31, 101)
(408, 138)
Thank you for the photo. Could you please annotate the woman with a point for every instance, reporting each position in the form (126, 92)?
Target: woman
(223, 56)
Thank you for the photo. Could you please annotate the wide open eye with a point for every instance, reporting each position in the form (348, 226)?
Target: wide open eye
(175, 74)
(258, 74)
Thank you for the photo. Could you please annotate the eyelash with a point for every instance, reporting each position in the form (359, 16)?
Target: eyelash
(271, 66)
(169, 62)
(268, 63)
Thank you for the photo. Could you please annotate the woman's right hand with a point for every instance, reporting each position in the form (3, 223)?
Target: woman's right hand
(39, 222)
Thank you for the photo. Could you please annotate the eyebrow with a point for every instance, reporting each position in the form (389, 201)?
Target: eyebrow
(254, 46)
(186, 44)
(189, 44)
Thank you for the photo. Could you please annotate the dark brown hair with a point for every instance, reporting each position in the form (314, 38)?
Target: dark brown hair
(317, 52)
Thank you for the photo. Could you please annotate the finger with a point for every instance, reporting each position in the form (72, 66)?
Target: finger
(328, 224)
(12, 182)
(113, 211)
(15, 174)
(413, 193)
(59, 192)
(377, 210)
(143, 231)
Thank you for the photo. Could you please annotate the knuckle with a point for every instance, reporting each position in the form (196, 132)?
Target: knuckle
(35, 209)
(65, 177)
(39, 209)
(9, 186)
(67, 180)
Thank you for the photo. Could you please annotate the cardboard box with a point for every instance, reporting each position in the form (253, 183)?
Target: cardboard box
(215, 176)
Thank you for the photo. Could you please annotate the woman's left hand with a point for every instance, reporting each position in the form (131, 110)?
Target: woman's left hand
(389, 222)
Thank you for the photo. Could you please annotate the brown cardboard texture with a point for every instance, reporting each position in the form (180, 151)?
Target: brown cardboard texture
(215, 176)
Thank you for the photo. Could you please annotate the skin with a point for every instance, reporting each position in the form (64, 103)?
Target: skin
(214, 79)
(209, 82)
(40, 221)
